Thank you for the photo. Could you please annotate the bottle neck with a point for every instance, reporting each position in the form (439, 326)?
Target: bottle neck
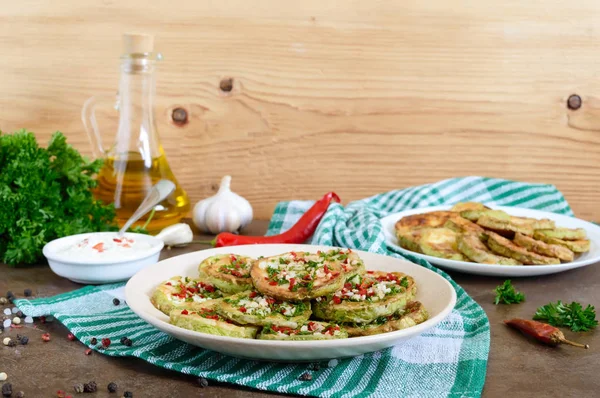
(137, 135)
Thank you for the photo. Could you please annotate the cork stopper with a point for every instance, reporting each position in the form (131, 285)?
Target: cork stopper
(138, 43)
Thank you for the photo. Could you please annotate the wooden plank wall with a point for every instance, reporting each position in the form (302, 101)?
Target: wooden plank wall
(353, 96)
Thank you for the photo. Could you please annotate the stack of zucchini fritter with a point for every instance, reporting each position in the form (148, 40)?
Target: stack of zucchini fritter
(473, 232)
(290, 296)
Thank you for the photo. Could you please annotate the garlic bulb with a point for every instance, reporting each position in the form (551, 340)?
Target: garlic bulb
(226, 211)
(177, 234)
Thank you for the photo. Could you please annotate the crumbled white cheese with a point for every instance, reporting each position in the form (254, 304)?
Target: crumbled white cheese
(337, 333)
(304, 328)
(198, 299)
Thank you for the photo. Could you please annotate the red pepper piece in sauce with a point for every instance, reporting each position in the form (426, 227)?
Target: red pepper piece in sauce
(99, 247)
(542, 332)
(299, 233)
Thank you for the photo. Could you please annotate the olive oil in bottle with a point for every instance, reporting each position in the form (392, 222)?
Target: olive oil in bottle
(136, 160)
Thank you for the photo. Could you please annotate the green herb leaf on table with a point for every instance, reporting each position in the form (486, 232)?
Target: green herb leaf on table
(45, 193)
(506, 294)
(573, 316)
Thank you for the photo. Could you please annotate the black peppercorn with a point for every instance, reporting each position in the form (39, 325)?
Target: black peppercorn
(12, 343)
(27, 292)
(202, 382)
(20, 314)
(90, 387)
(112, 387)
(305, 376)
(116, 301)
(127, 394)
(127, 342)
(7, 390)
(24, 340)
(315, 367)
(94, 341)
(123, 340)
(10, 294)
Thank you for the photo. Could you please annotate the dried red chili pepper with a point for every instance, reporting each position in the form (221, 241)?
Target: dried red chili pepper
(298, 233)
(542, 332)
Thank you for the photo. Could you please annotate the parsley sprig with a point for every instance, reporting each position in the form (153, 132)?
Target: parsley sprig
(573, 316)
(506, 294)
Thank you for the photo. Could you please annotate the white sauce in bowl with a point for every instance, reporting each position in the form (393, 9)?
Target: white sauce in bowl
(108, 247)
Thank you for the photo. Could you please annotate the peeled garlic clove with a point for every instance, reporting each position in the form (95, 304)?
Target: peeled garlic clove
(226, 211)
(176, 234)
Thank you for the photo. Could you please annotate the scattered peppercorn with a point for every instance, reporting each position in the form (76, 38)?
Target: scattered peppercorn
(126, 342)
(12, 343)
(71, 336)
(105, 342)
(305, 376)
(315, 367)
(112, 387)
(202, 382)
(46, 337)
(116, 301)
(127, 394)
(88, 351)
(94, 341)
(9, 294)
(24, 340)
(90, 387)
(78, 388)
(27, 292)
(20, 394)
(7, 390)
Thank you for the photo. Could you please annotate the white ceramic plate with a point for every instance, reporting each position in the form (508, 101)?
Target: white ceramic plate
(435, 292)
(591, 257)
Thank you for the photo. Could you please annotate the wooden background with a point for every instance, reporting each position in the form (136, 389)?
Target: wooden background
(355, 96)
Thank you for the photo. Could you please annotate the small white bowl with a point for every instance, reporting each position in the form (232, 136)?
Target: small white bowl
(99, 270)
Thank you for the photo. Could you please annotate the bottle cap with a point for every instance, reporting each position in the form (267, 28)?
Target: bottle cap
(138, 43)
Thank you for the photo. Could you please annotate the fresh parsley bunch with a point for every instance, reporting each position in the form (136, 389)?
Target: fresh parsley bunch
(45, 194)
(571, 315)
(506, 294)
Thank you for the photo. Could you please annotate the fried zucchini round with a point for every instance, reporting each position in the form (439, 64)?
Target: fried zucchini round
(207, 320)
(505, 247)
(413, 314)
(229, 272)
(311, 330)
(297, 276)
(577, 246)
(472, 247)
(366, 298)
(437, 242)
(504, 227)
(467, 206)
(462, 225)
(543, 248)
(183, 292)
(544, 223)
(474, 215)
(350, 261)
(564, 233)
(432, 219)
(254, 308)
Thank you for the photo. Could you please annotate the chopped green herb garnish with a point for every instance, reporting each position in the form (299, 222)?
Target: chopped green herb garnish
(573, 316)
(506, 294)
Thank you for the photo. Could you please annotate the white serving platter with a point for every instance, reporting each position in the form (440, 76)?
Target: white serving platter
(591, 257)
(435, 292)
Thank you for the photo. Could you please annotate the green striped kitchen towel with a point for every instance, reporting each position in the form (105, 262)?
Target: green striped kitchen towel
(449, 360)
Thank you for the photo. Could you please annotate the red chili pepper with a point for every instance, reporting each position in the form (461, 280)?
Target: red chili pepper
(542, 332)
(292, 283)
(299, 233)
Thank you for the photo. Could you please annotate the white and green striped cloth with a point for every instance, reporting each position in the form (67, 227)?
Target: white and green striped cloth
(449, 360)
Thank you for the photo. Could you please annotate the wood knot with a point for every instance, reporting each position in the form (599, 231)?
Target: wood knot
(226, 84)
(179, 116)
(574, 102)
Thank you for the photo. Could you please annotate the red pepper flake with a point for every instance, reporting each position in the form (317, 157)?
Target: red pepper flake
(292, 283)
(370, 272)
(99, 247)
(253, 294)
(169, 284)
(117, 240)
(105, 342)
(88, 351)
(307, 277)
(325, 269)
(71, 337)
(266, 278)
(312, 326)
(294, 255)
(209, 288)
(362, 292)
(270, 300)
(243, 309)
(273, 283)
(184, 312)
(126, 245)
(347, 286)
(236, 273)
(337, 300)
(46, 337)
(233, 258)
(335, 274)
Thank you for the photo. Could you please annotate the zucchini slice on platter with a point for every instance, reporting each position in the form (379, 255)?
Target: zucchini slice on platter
(311, 330)
(229, 272)
(183, 292)
(413, 314)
